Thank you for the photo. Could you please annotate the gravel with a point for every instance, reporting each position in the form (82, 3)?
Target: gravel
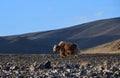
(52, 66)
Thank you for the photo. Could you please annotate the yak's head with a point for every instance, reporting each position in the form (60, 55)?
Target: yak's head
(56, 48)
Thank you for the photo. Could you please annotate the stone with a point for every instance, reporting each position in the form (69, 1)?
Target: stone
(61, 68)
(47, 64)
(68, 70)
(115, 69)
(7, 68)
(94, 74)
(77, 66)
(15, 68)
(83, 72)
(67, 74)
(41, 66)
(68, 66)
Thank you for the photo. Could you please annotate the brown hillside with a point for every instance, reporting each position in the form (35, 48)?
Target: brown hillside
(111, 47)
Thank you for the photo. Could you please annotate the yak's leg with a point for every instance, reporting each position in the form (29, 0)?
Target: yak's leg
(62, 54)
(76, 52)
(68, 53)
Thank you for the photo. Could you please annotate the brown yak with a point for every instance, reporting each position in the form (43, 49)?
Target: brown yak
(66, 49)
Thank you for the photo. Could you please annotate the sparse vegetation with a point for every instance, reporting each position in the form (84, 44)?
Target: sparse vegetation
(108, 48)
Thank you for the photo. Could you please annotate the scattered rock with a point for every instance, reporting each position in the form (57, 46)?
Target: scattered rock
(68, 66)
(77, 66)
(83, 72)
(41, 66)
(64, 68)
(47, 64)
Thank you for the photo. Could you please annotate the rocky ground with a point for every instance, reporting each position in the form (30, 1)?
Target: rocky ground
(52, 66)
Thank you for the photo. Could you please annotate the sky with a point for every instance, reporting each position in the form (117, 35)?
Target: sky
(26, 16)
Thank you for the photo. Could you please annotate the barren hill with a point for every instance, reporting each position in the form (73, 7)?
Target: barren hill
(111, 47)
(86, 35)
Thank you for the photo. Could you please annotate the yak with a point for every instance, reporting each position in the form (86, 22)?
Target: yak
(66, 49)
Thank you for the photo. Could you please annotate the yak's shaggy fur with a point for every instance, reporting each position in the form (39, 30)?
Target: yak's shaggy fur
(66, 48)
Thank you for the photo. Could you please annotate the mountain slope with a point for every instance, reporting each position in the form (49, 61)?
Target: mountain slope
(111, 47)
(85, 35)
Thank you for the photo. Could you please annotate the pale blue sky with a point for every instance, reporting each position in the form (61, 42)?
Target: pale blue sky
(24, 16)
